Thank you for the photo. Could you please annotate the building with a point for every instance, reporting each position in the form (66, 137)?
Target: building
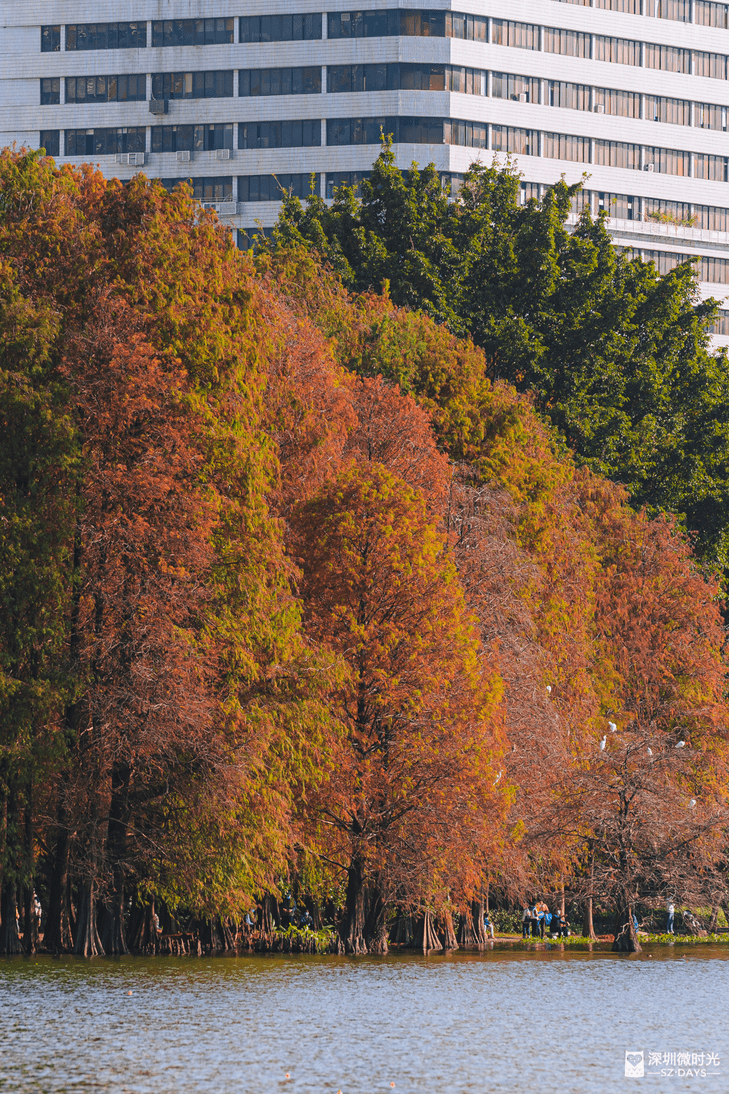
(248, 96)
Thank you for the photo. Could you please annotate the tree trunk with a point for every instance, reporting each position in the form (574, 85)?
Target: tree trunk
(477, 920)
(426, 936)
(268, 915)
(626, 937)
(88, 943)
(588, 929)
(446, 933)
(353, 925)
(402, 931)
(466, 935)
(113, 935)
(9, 937)
(714, 918)
(30, 921)
(57, 937)
(375, 922)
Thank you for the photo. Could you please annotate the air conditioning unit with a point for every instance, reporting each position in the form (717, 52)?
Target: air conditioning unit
(599, 109)
(523, 97)
(223, 154)
(136, 159)
(228, 208)
(121, 157)
(649, 166)
(159, 106)
(184, 157)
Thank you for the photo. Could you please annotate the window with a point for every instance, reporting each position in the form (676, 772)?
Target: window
(284, 134)
(192, 85)
(470, 27)
(710, 167)
(711, 218)
(617, 154)
(381, 24)
(280, 28)
(466, 134)
(715, 270)
(192, 32)
(50, 91)
(712, 65)
(345, 178)
(668, 161)
(50, 139)
(620, 206)
(106, 36)
(530, 191)
(664, 261)
(571, 96)
(275, 187)
(505, 138)
(571, 43)
(208, 189)
(520, 35)
(465, 81)
(403, 130)
(621, 51)
(632, 7)
(707, 116)
(721, 323)
(560, 146)
(679, 10)
(709, 14)
(106, 89)
(50, 40)
(668, 212)
(191, 138)
(623, 104)
(341, 78)
(105, 142)
(667, 58)
(519, 88)
(280, 81)
(249, 238)
(660, 109)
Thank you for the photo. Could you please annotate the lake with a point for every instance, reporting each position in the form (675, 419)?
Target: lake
(510, 1019)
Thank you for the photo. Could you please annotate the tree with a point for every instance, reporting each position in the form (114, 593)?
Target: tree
(409, 788)
(616, 357)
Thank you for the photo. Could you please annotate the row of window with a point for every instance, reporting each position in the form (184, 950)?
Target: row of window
(405, 130)
(380, 77)
(349, 24)
(707, 13)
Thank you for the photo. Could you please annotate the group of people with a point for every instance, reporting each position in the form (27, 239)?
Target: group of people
(537, 920)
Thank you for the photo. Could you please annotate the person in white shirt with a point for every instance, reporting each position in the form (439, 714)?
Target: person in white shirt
(669, 915)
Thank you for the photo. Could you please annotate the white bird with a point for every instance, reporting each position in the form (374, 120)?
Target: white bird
(603, 743)
(692, 803)
(549, 689)
(650, 751)
(681, 744)
(498, 778)
(612, 726)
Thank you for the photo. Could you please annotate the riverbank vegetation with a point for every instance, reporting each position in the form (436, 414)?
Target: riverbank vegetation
(315, 600)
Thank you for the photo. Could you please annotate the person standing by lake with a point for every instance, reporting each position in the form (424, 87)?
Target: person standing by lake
(670, 911)
(526, 919)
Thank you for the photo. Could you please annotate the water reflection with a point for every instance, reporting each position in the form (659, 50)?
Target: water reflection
(543, 1015)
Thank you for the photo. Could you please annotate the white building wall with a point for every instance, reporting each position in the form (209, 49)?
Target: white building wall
(22, 117)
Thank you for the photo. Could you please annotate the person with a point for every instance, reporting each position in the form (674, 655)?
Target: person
(670, 911)
(547, 923)
(535, 921)
(526, 917)
(488, 925)
(306, 920)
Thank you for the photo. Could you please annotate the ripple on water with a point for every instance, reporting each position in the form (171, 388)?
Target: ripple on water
(501, 1021)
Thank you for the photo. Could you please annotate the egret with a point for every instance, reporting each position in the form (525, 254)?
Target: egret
(603, 743)
(692, 803)
(549, 689)
(650, 751)
(498, 778)
(612, 726)
(681, 744)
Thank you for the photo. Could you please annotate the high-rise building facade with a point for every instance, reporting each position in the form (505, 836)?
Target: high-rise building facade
(246, 97)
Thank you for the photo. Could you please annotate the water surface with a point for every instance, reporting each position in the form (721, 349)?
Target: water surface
(507, 1020)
